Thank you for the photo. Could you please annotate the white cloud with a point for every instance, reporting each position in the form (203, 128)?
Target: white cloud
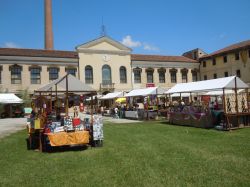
(11, 45)
(127, 40)
(149, 47)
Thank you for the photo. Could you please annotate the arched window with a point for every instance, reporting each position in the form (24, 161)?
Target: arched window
(16, 77)
(70, 70)
(106, 75)
(35, 74)
(123, 75)
(162, 72)
(194, 75)
(150, 75)
(53, 73)
(137, 75)
(184, 75)
(173, 75)
(88, 75)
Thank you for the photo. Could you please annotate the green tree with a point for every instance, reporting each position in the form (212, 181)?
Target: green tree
(25, 96)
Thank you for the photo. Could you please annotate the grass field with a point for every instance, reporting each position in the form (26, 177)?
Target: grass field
(148, 154)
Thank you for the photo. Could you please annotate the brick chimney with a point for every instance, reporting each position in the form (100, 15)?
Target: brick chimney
(48, 25)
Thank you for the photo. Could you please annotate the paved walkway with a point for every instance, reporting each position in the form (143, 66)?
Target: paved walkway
(11, 125)
(113, 120)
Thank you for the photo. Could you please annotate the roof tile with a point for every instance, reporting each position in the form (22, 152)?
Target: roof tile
(37, 53)
(159, 58)
(231, 48)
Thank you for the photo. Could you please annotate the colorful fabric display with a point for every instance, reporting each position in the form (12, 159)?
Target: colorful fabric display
(97, 127)
(68, 123)
(79, 127)
(58, 129)
(87, 123)
(54, 125)
(76, 122)
(37, 124)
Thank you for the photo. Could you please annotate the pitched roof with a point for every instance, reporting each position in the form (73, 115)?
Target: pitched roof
(208, 85)
(37, 53)
(231, 48)
(159, 58)
(104, 39)
(74, 85)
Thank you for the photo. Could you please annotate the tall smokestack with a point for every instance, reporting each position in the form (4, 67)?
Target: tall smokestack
(48, 25)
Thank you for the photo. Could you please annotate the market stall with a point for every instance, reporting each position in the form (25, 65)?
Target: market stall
(234, 110)
(50, 126)
(143, 103)
(10, 105)
(108, 102)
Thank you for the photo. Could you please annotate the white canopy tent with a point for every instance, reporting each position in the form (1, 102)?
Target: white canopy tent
(208, 85)
(182, 95)
(142, 92)
(66, 84)
(94, 96)
(74, 85)
(220, 92)
(9, 98)
(235, 101)
(112, 95)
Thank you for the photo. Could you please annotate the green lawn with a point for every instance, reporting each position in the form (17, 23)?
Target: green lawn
(146, 154)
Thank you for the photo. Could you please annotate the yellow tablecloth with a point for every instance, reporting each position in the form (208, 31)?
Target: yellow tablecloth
(68, 138)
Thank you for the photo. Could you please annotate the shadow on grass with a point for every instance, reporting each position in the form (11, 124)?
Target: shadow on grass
(188, 126)
(60, 149)
(56, 149)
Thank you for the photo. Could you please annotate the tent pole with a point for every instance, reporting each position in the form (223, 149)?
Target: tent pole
(147, 107)
(67, 96)
(224, 108)
(91, 106)
(247, 100)
(40, 102)
(165, 101)
(10, 111)
(91, 118)
(247, 106)
(157, 101)
(56, 100)
(236, 100)
(51, 100)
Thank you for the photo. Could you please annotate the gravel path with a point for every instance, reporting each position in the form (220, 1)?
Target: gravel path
(11, 125)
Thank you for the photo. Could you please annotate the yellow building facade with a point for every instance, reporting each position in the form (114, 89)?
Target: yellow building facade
(29, 69)
(109, 66)
(229, 61)
(105, 65)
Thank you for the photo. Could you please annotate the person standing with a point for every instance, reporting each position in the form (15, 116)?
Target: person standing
(102, 110)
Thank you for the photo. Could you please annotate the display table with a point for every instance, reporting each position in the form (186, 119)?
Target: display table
(188, 117)
(68, 138)
(131, 114)
(151, 114)
(141, 114)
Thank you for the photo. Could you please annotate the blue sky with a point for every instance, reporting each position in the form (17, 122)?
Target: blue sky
(166, 27)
